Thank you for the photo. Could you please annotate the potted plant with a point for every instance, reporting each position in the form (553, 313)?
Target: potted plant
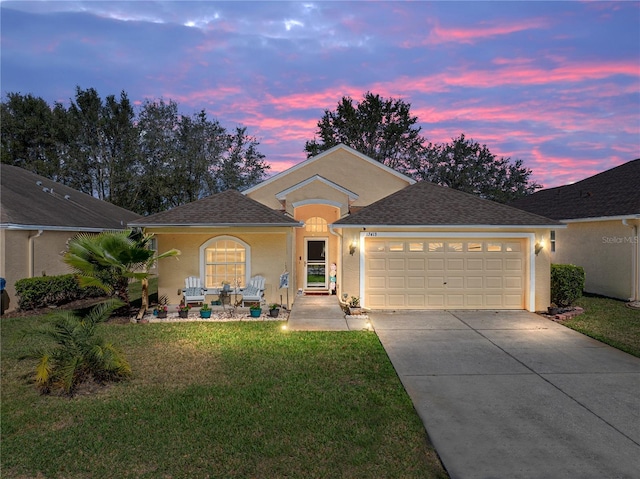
(274, 310)
(354, 306)
(205, 311)
(183, 310)
(255, 311)
(160, 311)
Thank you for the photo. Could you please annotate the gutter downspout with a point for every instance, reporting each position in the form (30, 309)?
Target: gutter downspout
(635, 255)
(31, 252)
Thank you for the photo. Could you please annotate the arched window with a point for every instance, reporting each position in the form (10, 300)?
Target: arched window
(316, 224)
(224, 258)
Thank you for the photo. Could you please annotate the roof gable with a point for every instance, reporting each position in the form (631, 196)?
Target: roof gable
(428, 204)
(283, 194)
(320, 157)
(615, 192)
(228, 208)
(32, 201)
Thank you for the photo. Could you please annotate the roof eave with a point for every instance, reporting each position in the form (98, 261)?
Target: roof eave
(24, 227)
(214, 225)
(601, 218)
(451, 226)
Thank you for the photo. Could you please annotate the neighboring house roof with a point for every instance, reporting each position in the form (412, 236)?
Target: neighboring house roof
(615, 192)
(30, 201)
(228, 208)
(325, 153)
(428, 204)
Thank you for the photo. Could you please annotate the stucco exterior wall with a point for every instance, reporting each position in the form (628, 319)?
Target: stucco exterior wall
(46, 260)
(271, 252)
(342, 167)
(543, 272)
(605, 249)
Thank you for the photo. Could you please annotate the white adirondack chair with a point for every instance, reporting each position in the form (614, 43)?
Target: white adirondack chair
(193, 291)
(254, 291)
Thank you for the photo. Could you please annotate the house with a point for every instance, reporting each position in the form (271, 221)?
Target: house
(343, 223)
(602, 214)
(38, 217)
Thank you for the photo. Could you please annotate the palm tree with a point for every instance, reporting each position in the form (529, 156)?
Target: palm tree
(77, 354)
(144, 241)
(111, 259)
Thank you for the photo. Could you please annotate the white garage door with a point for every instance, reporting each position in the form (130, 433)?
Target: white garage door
(444, 273)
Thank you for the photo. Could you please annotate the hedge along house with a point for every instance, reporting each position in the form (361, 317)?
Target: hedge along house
(602, 217)
(38, 217)
(393, 243)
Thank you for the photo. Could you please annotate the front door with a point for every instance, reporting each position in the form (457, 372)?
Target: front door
(315, 263)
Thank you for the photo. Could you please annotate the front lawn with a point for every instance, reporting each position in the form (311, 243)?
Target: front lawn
(218, 400)
(609, 321)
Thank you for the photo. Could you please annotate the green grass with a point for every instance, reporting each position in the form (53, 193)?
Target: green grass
(609, 321)
(218, 400)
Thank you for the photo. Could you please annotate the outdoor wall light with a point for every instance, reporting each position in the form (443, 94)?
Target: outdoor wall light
(352, 247)
(539, 246)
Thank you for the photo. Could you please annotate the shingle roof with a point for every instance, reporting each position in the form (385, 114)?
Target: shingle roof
(615, 192)
(229, 208)
(428, 204)
(51, 205)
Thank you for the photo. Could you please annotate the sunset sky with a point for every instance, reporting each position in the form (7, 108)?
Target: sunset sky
(555, 84)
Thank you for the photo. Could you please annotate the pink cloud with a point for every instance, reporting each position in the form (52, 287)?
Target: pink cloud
(471, 35)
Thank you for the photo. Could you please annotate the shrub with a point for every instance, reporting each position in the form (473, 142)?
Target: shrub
(52, 290)
(567, 284)
(75, 352)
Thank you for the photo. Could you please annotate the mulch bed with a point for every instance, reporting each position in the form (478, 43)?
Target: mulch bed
(73, 305)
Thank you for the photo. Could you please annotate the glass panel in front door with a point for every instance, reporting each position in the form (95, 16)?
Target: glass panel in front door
(316, 264)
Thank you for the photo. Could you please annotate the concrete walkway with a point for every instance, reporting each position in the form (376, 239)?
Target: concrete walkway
(321, 313)
(514, 395)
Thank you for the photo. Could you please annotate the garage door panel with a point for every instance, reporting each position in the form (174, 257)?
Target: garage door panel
(396, 300)
(376, 264)
(416, 264)
(513, 282)
(396, 264)
(474, 282)
(435, 301)
(435, 264)
(416, 301)
(513, 301)
(438, 274)
(493, 300)
(475, 264)
(376, 301)
(475, 300)
(377, 282)
(493, 264)
(513, 265)
(455, 300)
(455, 264)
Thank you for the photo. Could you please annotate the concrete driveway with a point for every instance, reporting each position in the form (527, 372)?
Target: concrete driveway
(514, 395)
